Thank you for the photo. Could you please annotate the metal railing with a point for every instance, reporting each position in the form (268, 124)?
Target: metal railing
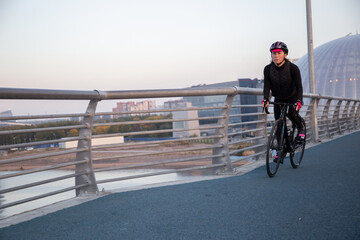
(222, 147)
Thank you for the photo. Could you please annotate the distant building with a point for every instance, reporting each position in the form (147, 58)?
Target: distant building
(174, 104)
(218, 100)
(250, 99)
(123, 107)
(212, 101)
(7, 113)
(336, 67)
(194, 124)
(127, 107)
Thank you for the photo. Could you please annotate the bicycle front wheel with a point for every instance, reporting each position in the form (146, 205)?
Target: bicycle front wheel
(296, 155)
(274, 149)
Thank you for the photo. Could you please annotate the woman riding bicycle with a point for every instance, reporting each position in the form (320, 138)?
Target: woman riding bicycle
(284, 80)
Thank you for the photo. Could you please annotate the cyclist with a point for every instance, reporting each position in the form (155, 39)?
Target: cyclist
(284, 80)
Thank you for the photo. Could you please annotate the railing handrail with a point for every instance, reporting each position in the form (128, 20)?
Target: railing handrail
(50, 94)
(54, 94)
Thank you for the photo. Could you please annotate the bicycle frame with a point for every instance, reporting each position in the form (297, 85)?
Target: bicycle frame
(283, 119)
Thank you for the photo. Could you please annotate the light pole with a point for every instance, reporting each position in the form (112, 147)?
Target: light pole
(311, 71)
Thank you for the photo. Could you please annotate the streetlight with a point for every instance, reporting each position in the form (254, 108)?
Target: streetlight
(311, 71)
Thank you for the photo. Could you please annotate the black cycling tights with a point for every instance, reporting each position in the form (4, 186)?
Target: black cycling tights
(292, 114)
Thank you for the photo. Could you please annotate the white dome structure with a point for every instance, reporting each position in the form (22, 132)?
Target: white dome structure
(337, 68)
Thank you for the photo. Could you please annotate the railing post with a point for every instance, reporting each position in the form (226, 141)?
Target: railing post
(357, 116)
(352, 115)
(336, 116)
(89, 177)
(312, 111)
(262, 117)
(325, 117)
(224, 150)
(345, 116)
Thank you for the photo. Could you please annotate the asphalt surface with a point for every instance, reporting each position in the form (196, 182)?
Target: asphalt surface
(319, 200)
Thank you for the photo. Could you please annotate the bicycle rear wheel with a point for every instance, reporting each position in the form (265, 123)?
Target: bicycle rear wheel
(274, 148)
(298, 149)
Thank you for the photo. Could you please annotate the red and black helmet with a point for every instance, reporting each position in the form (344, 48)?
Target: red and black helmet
(279, 46)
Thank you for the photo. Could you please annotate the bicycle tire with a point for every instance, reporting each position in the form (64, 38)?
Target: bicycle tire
(272, 144)
(297, 154)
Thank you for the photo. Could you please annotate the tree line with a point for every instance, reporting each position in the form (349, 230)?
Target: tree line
(57, 134)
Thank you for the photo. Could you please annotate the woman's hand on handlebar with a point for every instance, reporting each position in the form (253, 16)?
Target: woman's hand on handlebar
(298, 105)
(265, 103)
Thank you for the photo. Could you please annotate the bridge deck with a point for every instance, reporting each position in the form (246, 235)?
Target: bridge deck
(319, 200)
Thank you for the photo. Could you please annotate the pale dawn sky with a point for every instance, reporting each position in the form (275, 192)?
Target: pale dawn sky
(158, 44)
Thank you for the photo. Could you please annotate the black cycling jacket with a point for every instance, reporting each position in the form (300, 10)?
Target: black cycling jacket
(284, 82)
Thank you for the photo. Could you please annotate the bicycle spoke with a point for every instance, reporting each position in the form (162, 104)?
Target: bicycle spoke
(273, 153)
(298, 150)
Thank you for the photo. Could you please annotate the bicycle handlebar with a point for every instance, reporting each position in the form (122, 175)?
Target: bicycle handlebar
(266, 110)
(276, 103)
(281, 103)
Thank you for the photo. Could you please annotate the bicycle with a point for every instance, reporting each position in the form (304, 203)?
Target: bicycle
(282, 140)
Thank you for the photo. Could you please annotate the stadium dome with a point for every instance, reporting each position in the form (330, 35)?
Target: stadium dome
(337, 68)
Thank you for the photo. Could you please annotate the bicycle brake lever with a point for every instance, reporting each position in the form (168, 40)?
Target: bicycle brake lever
(266, 110)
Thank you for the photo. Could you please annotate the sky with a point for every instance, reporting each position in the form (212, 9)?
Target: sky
(157, 44)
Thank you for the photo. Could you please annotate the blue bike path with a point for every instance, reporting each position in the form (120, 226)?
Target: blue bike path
(319, 200)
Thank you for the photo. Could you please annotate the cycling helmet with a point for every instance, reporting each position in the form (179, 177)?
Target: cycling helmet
(278, 46)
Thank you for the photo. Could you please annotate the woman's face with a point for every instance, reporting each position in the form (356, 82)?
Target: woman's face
(278, 57)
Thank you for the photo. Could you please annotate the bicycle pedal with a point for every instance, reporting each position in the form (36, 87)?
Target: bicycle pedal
(276, 159)
(298, 144)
